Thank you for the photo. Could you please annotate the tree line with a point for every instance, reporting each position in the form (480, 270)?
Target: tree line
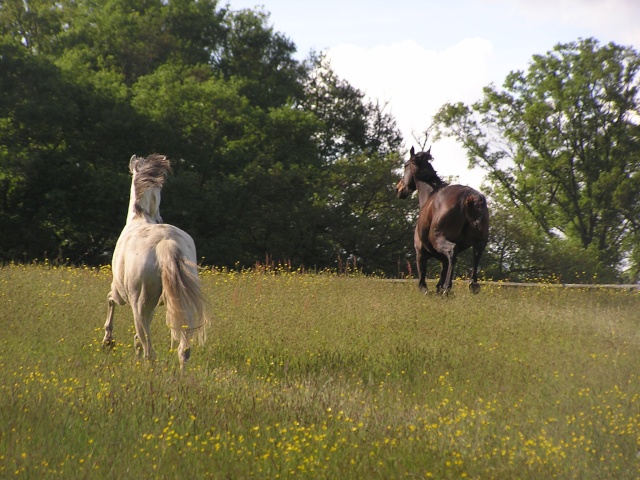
(278, 158)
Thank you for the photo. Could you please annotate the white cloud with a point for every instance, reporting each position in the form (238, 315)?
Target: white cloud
(416, 82)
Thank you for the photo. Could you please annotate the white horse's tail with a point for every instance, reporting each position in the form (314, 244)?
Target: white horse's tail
(182, 293)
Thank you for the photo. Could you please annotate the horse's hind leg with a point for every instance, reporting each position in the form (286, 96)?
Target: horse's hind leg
(448, 249)
(443, 275)
(142, 316)
(478, 249)
(142, 340)
(184, 349)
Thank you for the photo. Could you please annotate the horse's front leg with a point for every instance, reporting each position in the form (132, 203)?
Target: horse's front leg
(421, 264)
(108, 341)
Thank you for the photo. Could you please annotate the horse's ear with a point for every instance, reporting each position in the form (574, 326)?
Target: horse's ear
(131, 161)
(412, 152)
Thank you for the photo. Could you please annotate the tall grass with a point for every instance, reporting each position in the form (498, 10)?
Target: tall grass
(321, 376)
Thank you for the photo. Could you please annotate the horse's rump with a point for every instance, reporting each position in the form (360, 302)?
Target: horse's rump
(475, 208)
(181, 291)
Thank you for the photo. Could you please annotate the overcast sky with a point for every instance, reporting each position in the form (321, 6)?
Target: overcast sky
(417, 55)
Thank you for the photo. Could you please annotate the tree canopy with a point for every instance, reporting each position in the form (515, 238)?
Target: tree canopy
(268, 151)
(277, 158)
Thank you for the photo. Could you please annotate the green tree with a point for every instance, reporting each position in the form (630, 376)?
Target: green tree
(58, 194)
(520, 251)
(260, 60)
(34, 24)
(133, 39)
(365, 223)
(272, 157)
(351, 125)
(561, 142)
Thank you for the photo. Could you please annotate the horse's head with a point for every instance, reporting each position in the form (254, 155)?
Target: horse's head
(149, 175)
(417, 169)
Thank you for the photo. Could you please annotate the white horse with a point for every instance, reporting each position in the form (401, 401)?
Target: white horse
(155, 262)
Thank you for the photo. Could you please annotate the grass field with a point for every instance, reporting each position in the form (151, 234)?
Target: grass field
(321, 376)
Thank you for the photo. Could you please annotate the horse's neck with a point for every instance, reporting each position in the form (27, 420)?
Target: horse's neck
(149, 203)
(424, 192)
(131, 212)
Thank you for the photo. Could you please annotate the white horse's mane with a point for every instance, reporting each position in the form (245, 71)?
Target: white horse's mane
(149, 175)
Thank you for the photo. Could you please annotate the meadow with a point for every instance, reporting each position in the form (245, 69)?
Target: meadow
(321, 376)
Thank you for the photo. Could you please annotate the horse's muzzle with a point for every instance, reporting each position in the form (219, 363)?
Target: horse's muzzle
(402, 191)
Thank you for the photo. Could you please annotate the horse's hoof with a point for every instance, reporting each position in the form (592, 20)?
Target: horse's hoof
(108, 344)
(423, 289)
(474, 288)
(445, 292)
(186, 354)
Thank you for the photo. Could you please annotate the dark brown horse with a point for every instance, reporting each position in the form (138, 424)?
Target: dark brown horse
(452, 218)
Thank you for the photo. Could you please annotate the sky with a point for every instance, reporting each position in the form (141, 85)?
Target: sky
(416, 55)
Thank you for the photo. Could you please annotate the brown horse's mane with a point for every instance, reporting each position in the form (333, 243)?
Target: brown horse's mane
(437, 183)
(151, 172)
(426, 173)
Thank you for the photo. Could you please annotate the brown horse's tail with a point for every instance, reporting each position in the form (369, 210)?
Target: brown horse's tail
(181, 292)
(475, 209)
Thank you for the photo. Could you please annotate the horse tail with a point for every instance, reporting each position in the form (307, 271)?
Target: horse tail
(181, 293)
(475, 209)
